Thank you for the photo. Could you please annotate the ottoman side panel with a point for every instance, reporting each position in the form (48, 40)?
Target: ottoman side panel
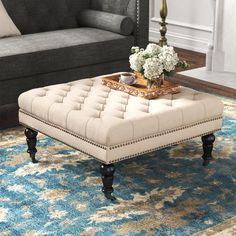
(86, 147)
(162, 140)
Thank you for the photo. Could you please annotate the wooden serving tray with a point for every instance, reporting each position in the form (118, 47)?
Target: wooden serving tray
(140, 88)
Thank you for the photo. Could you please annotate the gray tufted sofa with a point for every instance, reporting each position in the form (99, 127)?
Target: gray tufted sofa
(55, 48)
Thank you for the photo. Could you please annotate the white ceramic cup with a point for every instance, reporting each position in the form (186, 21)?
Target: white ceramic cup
(127, 78)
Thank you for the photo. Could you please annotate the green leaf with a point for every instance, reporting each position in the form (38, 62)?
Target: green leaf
(169, 74)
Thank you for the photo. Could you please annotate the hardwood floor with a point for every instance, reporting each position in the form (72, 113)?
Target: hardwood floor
(196, 60)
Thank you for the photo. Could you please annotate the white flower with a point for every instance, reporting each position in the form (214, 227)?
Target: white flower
(153, 68)
(136, 61)
(154, 60)
(153, 49)
(135, 49)
(169, 58)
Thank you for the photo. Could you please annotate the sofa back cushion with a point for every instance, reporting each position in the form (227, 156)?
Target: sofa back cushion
(33, 16)
(120, 7)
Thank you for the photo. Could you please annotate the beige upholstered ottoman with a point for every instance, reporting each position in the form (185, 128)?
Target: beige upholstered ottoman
(112, 126)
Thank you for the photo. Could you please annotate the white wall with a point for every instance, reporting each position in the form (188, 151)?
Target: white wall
(190, 23)
(223, 54)
(229, 35)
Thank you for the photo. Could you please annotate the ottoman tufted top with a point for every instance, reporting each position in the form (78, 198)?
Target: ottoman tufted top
(109, 117)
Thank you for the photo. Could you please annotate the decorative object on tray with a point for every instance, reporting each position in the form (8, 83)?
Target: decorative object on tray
(154, 63)
(127, 78)
(163, 24)
(140, 87)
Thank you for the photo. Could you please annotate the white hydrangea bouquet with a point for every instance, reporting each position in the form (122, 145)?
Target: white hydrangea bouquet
(155, 62)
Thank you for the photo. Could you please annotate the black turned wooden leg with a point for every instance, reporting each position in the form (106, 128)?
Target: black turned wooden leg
(31, 142)
(207, 145)
(107, 172)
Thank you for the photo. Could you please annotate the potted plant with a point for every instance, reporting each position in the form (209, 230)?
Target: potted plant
(154, 63)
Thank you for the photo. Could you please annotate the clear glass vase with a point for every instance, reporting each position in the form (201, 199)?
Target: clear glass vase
(156, 83)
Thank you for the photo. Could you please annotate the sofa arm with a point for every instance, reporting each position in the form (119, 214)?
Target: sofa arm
(137, 10)
(142, 19)
(107, 21)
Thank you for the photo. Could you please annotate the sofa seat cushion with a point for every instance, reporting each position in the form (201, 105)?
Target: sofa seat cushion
(34, 16)
(60, 50)
(109, 117)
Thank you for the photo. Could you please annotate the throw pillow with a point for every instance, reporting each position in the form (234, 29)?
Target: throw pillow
(7, 27)
(107, 21)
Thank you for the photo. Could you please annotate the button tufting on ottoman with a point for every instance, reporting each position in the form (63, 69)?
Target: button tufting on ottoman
(112, 125)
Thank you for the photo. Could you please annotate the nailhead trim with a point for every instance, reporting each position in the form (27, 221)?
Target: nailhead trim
(64, 130)
(64, 143)
(162, 133)
(163, 146)
(129, 142)
(137, 20)
(134, 155)
(122, 144)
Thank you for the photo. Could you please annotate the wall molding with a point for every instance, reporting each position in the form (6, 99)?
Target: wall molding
(184, 25)
(180, 40)
(180, 32)
(183, 35)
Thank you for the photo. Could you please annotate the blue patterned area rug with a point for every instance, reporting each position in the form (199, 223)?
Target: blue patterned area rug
(167, 192)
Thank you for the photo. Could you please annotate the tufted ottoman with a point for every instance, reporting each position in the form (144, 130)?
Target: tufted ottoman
(112, 126)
